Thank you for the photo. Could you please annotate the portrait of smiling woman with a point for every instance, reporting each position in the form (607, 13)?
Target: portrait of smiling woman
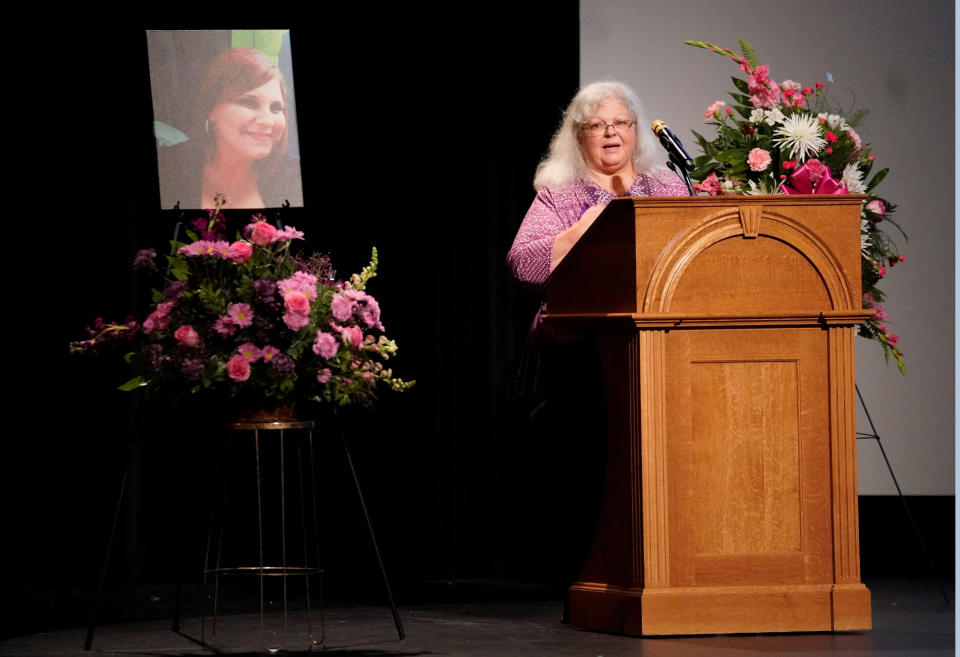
(234, 137)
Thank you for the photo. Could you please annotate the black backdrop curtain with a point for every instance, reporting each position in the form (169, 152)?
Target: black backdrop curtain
(462, 107)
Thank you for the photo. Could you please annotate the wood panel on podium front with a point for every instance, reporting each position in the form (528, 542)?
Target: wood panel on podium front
(726, 326)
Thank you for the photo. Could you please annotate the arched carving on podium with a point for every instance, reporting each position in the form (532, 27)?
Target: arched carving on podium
(761, 227)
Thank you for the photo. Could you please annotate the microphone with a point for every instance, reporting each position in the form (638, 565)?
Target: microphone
(670, 142)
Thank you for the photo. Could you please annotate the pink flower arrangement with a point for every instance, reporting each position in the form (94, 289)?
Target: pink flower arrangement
(222, 300)
(788, 138)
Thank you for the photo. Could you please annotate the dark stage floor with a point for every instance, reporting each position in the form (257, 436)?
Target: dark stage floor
(910, 619)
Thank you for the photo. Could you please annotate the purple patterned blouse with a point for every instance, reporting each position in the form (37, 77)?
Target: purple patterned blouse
(553, 211)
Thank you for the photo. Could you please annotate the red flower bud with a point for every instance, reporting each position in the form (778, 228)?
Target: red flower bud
(820, 85)
(807, 91)
(829, 149)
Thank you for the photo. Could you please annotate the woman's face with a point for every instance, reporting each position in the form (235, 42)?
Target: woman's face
(610, 152)
(248, 127)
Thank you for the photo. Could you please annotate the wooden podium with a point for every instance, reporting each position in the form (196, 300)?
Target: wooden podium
(726, 327)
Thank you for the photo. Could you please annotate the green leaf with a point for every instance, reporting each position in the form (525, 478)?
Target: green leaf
(749, 53)
(133, 384)
(877, 178)
(741, 84)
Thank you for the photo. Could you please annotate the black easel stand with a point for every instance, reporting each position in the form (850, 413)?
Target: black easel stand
(136, 425)
(875, 436)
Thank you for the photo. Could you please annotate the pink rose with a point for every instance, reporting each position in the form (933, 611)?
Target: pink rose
(240, 252)
(186, 336)
(352, 335)
(262, 233)
(876, 206)
(297, 302)
(238, 368)
(759, 159)
(325, 345)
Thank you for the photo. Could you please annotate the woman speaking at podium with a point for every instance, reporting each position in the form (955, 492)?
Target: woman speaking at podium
(601, 150)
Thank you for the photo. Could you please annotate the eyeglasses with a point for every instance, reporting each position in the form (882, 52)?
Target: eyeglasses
(598, 128)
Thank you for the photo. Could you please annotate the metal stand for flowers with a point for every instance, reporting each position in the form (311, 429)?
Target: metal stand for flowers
(295, 471)
(873, 435)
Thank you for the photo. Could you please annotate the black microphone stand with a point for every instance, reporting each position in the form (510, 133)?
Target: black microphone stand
(681, 171)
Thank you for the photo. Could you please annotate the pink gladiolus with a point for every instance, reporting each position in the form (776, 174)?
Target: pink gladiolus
(262, 233)
(238, 368)
(186, 336)
(893, 339)
(759, 159)
(882, 328)
(240, 252)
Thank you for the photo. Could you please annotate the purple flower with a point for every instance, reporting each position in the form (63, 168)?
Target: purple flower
(265, 289)
(175, 290)
(144, 259)
(282, 364)
(192, 368)
(153, 355)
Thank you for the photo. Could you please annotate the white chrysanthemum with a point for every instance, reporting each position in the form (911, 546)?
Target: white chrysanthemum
(774, 116)
(767, 185)
(756, 116)
(852, 178)
(800, 136)
(865, 241)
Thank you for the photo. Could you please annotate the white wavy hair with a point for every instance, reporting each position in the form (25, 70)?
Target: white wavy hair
(564, 161)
